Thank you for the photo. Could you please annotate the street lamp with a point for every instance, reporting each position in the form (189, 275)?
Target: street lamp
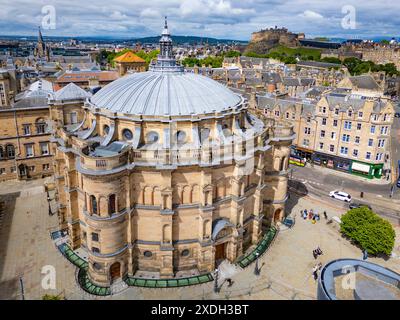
(22, 288)
(257, 269)
(216, 289)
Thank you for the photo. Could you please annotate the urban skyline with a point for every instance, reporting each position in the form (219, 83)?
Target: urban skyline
(224, 19)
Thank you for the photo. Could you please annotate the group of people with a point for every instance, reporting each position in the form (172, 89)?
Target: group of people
(316, 269)
(317, 252)
(311, 215)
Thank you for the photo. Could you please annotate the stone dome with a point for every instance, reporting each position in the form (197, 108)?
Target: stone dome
(161, 93)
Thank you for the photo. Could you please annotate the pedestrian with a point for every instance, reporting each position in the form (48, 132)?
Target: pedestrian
(315, 272)
(319, 251)
(365, 254)
(325, 215)
(361, 194)
(314, 253)
(230, 282)
(310, 214)
(319, 266)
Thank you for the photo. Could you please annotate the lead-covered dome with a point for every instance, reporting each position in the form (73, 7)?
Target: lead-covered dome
(166, 90)
(160, 93)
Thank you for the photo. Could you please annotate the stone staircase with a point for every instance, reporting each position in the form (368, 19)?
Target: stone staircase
(118, 286)
(227, 270)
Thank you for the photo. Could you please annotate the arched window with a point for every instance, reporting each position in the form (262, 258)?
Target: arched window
(93, 203)
(10, 151)
(41, 126)
(106, 129)
(111, 204)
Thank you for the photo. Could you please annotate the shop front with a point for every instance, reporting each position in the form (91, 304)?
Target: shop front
(367, 170)
(332, 162)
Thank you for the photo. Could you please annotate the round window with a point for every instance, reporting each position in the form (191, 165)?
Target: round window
(106, 129)
(96, 266)
(185, 253)
(147, 254)
(152, 137)
(127, 134)
(180, 136)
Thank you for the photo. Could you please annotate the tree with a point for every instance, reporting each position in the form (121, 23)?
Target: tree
(232, 54)
(368, 230)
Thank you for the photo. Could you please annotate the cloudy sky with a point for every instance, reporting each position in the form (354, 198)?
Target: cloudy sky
(229, 19)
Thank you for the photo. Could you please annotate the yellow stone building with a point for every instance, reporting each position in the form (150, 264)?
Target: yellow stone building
(129, 62)
(167, 172)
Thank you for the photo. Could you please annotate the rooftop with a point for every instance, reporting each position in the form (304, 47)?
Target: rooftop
(129, 57)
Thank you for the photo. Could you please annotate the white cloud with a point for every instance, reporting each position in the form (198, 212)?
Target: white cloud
(311, 15)
(150, 13)
(117, 15)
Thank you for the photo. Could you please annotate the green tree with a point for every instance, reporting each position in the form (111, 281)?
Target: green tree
(232, 54)
(368, 230)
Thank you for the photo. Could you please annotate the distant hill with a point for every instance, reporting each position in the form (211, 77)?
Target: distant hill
(189, 40)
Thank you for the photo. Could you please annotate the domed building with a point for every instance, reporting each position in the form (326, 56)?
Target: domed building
(166, 172)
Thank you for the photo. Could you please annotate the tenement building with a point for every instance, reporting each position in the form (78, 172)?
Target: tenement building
(25, 134)
(342, 131)
(167, 171)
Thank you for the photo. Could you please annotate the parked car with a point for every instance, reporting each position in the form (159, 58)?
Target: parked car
(340, 195)
(355, 205)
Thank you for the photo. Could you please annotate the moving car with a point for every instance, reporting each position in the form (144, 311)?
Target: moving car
(355, 205)
(340, 195)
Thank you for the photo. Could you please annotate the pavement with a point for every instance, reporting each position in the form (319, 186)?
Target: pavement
(285, 269)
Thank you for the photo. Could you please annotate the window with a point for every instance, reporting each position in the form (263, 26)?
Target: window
(13, 169)
(337, 111)
(355, 153)
(73, 117)
(333, 135)
(322, 134)
(95, 250)
(93, 203)
(96, 266)
(106, 130)
(346, 138)
(29, 150)
(1, 152)
(332, 148)
(95, 236)
(358, 126)
(2, 170)
(357, 140)
(370, 142)
(379, 156)
(321, 145)
(368, 155)
(375, 117)
(293, 116)
(127, 134)
(384, 130)
(10, 151)
(335, 123)
(26, 129)
(180, 136)
(277, 113)
(185, 253)
(386, 117)
(44, 148)
(307, 130)
(147, 254)
(360, 114)
(46, 167)
(323, 121)
(287, 115)
(306, 142)
(372, 129)
(347, 125)
(308, 119)
(41, 127)
(350, 112)
(112, 204)
(381, 143)
(344, 150)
